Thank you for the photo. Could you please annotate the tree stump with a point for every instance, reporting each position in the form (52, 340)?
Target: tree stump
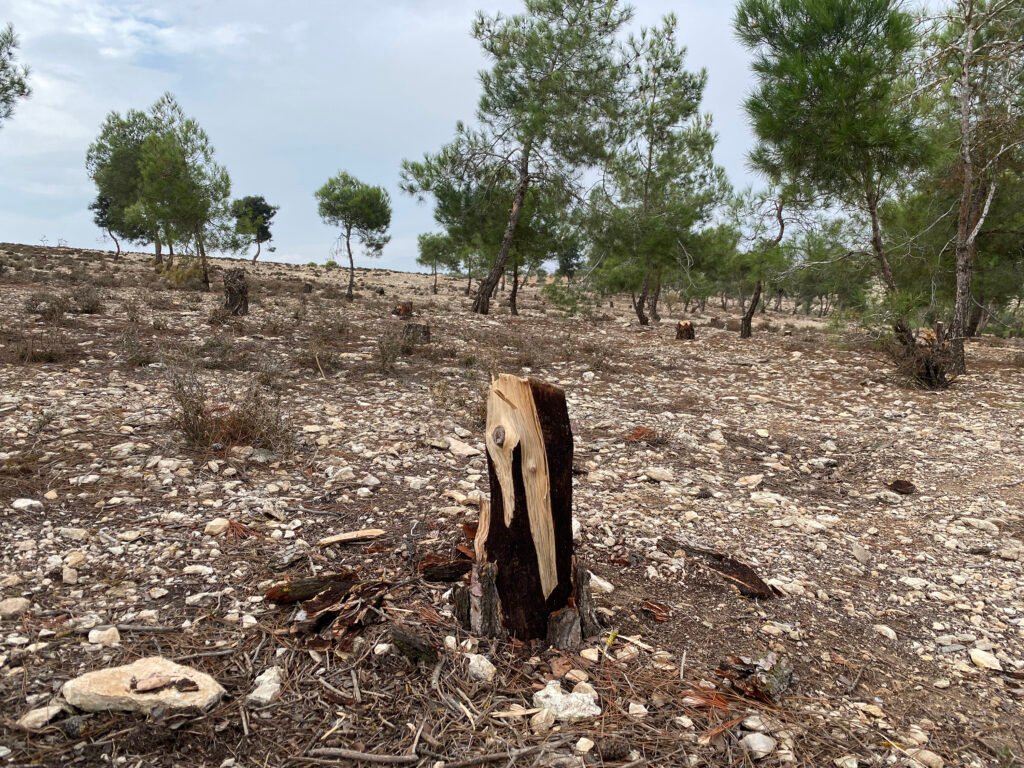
(236, 292)
(684, 331)
(403, 310)
(525, 583)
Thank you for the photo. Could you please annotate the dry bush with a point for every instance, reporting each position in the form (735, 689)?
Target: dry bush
(716, 322)
(88, 301)
(134, 351)
(185, 275)
(219, 316)
(393, 344)
(132, 310)
(256, 421)
(36, 350)
(51, 307)
(220, 353)
(924, 366)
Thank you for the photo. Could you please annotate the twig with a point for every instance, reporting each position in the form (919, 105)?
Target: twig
(367, 757)
(497, 757)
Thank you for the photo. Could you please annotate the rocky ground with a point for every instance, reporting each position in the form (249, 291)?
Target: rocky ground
(900, 616)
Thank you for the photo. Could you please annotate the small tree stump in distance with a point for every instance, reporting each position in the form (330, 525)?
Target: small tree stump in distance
(684, 331)
(403, 310)
(524, 579)
(236, 292)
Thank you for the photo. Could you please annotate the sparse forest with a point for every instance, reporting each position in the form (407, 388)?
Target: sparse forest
(644, 467)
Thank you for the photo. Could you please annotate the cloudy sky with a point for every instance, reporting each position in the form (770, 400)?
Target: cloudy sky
(289, 94)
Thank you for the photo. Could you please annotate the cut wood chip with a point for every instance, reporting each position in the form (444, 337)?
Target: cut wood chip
(351, 537)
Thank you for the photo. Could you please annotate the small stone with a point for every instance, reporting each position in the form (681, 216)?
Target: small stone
(76, 534)
(860, 553)
(268, 687)
(460, 449)
(51, 495)
(112, 689)
(584, 745)
(13, 607)
(600, 585)
(480, 668)
(217, 526)
(588, 376)
(941, 683)
(636, 709)
(542, 721)
(567, 707)
(69, 575)
(591, 654)
(846, 761)
(108, 636)
(758, 745)
(923, 758)
(659, 474)
(885, 631)
(27, 505)
(37, 718)
(382, 649)
(985, 660)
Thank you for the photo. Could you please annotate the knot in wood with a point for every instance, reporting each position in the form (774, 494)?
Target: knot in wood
(498, 436)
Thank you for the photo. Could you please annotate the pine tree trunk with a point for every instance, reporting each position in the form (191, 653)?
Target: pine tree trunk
(513, 307)
(655, 297)
(202, 257)
(974, 321)
(641, 301)
(904, 335)
(482, 304)
(258, 246)
(159, 250)
(746, 331)
(116, 244)
(350, 293)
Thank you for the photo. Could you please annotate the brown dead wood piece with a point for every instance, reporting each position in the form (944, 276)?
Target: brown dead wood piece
(351, 537)
(730, 569)
(904, 487)
(300, 590)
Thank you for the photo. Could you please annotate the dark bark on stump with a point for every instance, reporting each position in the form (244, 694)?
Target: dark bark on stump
(684, 331)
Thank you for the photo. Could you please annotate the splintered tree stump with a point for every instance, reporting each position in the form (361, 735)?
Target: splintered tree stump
(684, 331)
(236, 292)
(525, 583)
(403, 310)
